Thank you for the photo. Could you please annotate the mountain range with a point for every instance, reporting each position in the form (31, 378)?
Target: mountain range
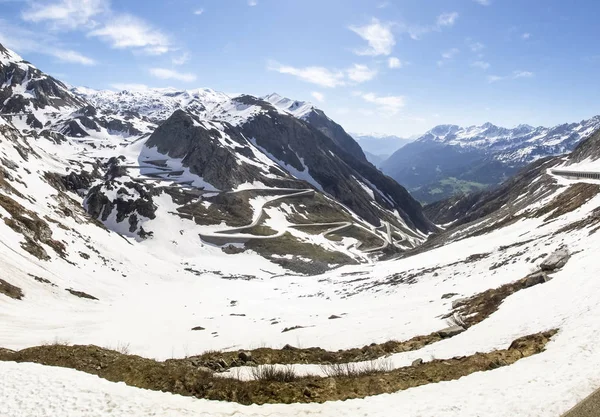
(255, 171)
(450, 159)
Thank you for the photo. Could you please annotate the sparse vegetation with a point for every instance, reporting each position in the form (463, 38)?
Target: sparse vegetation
(179, 376)
(290, 354)
(355, 370)
(272, 373)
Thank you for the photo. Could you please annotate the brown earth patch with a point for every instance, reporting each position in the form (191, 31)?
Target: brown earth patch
(180, 376)
(569, 200)
(475, 309)
(316, 355)
(34, 229)
(10, 290)
(320, 258)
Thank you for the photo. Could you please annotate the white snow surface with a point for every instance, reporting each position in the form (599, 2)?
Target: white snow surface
(372, 310)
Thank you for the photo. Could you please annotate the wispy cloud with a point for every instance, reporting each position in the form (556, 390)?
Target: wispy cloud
(182, 59)
(394, 63)
(198, 12)
(515, 75)
(66, 14)
(379, 37)
(483, 2)
(67, 55)
(315, 75)
(386, 104)
(448, 56)
(383, 5)
(450, 53)
(447, 19)
(167, 74)
(361, 73)
(326, 77)
(476, 46)
(320, 97)
(481, 64)
(495, 78)
(444, 20)
(526, 35)
(252, 3)
(128, 31)
(121, 31)
(523, 74)
(25, 41)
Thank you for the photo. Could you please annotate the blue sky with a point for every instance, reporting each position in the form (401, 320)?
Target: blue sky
(397, 67)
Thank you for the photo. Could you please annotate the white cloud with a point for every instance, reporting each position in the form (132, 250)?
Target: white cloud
(378, 35)
(394, 62)
(444, 20)
(481, 64)
(66, 14)
(198, 12)
(484, 2)
(387, 104)
(67, 55)
(450, 53)
(515, 75)
(252, 3)
(361, 73)
(495, 78)
(526, 35)
(25, 41)
(182, 59)
(320, 97)
(447, 19)
(523, 74)
(315, 75)
(129, 87)
(167, 74)
(476, 46)
(383, 5)
(126, 31)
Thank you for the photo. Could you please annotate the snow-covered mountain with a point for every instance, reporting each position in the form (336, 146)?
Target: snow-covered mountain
(232, 170)
(450, 159)
(147, 254)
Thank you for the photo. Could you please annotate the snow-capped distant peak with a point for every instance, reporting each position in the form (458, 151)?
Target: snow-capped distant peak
(299, 109)
(155, 103)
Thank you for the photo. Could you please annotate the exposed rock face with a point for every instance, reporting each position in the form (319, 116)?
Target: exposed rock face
(42, 90)
(304, 147)
(588, 149)
(451, 331)
(336, 133)
(556, 260)
(209, 150)
(277, 150)
(535, 279)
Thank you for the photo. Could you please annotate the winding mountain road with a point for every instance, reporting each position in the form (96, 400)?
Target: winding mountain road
(159, 172)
